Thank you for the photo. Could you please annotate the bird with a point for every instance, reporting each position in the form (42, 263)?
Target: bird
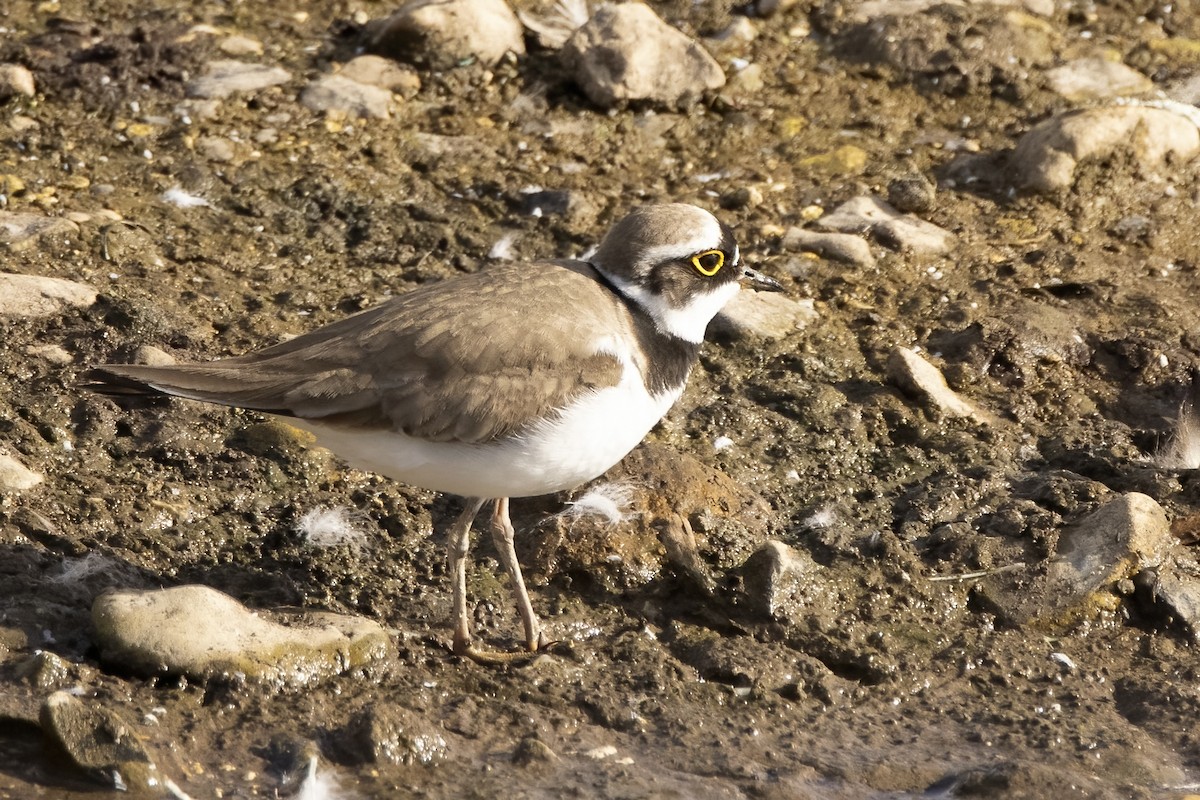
(518, 380)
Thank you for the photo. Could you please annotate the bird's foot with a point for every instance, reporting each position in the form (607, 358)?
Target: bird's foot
(466, 648)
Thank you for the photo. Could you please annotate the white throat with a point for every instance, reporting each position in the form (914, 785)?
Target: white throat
(687, 322)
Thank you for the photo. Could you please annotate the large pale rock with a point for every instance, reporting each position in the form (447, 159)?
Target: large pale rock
(223, 78)
(15, 80)
(763, 315)
(200, 632)
(24, 231)
(625, 52)
(443, 33)
(1046, 158)
(39, 296)
(845, 247)
(1117, 540)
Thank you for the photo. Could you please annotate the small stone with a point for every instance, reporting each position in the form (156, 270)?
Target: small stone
(238, 46)
(100, 743)
(53, 353)
(152, 356)
(845, 160)
(216, 148)
(845, 247)
(532, 750)
(15, 80)
(384, 73)
(339, 93)
(783, 583)
(553, 23)
(45, 670)
(204, 634)
(22, 231)
(625, 52)
(38, 296)
(924, 382)
(742, 197)
(763, 315)
(441, 34)
(893, 229)
(912, 194)
(15, 476)
(223, 78)
(387, 734)
(1175, 586)
(1096, 79)
(1046, 158)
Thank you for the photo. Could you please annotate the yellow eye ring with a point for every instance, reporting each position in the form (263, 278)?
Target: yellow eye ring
(709, 262)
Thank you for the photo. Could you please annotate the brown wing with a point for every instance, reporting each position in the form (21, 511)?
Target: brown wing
(467, 360)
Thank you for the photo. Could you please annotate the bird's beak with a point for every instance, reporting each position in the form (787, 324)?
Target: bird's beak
(753, 279)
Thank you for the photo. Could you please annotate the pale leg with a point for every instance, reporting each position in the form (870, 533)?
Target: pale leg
(502, 538)
(458, 546)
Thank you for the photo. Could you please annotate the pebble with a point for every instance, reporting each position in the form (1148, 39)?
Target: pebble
(925, 383)
(625, 52)
(53, 353)
(238, 46)
(1046, 158)
(224, 78)
(844, 247)
(912, 194)
(1096, 78)
(22, 231)
(445, 33)
(899, 231)
(15, 476)
(384, 73)
(102, 744)
(204, 634)
(216, 148)
(38, 296)
(783, 583)
(339, 93)
(1115, 542)
(15, 80)
(554, 27)
(763, 315)
(387, 734)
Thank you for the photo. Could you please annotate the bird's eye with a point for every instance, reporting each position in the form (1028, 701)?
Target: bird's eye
(708, 262)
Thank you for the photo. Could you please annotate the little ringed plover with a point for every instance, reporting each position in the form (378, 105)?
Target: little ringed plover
(519, 380)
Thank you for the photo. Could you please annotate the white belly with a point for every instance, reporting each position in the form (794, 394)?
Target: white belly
(580, 444)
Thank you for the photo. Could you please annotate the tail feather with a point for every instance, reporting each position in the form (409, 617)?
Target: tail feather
(209, 384)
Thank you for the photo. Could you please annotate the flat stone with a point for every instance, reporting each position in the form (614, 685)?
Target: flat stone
(16, 80)
(101, 743)
(925, 383)
(1046, 158)
(238, 46)
(1122, 537)
(868, 214)
(22, 231)
(625, 52)
(763, 315)
(339, 93)
(783, 583)
(216, 148)
(224, 78)
(1096, 79)
(441, 34)
(384, 73)
(1175, 587)
(204, 634)
(15, 476)
(39, 296)
(387, 734)
(847, 248)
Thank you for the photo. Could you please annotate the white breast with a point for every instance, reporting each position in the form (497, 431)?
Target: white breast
(580, 443)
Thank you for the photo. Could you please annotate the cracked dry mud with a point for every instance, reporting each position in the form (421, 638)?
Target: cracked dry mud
(892, 665)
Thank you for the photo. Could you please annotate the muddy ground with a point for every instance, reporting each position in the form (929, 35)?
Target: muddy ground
(1070, 318)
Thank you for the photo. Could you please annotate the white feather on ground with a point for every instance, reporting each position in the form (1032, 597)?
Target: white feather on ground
(1183, 450)
(608, 501)
(332, 527)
